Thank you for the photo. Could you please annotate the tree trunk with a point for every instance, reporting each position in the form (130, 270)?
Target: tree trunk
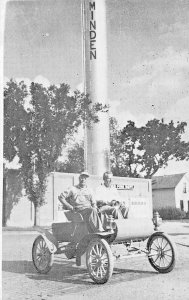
(4, 219)
(36, 216)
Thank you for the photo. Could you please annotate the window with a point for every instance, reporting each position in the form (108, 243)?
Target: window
(182, 205)
(184, 187)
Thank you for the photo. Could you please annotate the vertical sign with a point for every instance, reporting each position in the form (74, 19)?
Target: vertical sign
(97, 141)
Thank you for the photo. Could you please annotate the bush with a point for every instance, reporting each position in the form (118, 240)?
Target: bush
(171, 213)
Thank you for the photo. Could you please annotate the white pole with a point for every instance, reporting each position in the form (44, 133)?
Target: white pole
(97, 141)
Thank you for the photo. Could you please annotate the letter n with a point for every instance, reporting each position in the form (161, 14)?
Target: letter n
(92, 55)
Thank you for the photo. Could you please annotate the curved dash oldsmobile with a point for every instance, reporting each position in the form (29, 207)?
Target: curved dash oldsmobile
(72, 239)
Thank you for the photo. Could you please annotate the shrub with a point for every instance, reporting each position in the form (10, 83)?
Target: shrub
(187, 215)
(171, 213)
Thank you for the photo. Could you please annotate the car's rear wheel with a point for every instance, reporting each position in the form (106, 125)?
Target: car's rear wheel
(41, 256)
(99, 260)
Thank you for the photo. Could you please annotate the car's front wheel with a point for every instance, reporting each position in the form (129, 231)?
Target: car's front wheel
(99, 260)
(162, 252)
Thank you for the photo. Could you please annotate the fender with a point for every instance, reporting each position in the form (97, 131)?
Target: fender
(151, 236)
(50, 240)
(156, 233)
(84, 242)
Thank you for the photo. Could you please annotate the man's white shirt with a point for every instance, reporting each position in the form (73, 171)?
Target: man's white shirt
(107, 194)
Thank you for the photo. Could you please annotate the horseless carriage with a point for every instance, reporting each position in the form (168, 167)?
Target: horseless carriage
(72, 239)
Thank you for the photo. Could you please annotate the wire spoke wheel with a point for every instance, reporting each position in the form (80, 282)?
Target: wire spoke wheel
(99, 260)
(41, 256)
(162, 252)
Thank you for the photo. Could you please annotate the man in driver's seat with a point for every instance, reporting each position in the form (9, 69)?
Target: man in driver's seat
(79, 198)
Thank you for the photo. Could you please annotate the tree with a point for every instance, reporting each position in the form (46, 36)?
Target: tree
(136, 151)
(141, 151)
(124, 157)
(75, 160)
(115, 148)
(38, 130)
(161, 143)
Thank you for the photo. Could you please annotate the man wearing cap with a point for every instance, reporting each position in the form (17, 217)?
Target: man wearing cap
(79, 198)
(108, 198)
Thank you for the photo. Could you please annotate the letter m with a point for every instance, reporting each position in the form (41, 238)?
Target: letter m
(92, 5)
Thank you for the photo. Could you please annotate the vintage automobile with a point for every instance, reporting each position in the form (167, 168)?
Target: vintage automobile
(72, 239)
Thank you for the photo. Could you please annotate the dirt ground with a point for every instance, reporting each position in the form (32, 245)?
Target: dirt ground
(132, 278)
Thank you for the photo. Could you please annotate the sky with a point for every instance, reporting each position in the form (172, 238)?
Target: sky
(148, 54)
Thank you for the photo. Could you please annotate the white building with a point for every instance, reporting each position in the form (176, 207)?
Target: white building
(171, 190)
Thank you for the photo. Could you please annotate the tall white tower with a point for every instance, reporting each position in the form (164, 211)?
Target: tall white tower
(97, 140)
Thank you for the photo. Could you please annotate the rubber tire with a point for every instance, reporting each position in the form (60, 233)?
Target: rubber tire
(34, 254)
(171, 266)
(108, 251)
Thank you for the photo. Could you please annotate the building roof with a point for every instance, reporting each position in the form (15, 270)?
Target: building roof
(166, 181)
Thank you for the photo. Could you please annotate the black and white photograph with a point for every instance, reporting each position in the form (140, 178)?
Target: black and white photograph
(95, 152)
